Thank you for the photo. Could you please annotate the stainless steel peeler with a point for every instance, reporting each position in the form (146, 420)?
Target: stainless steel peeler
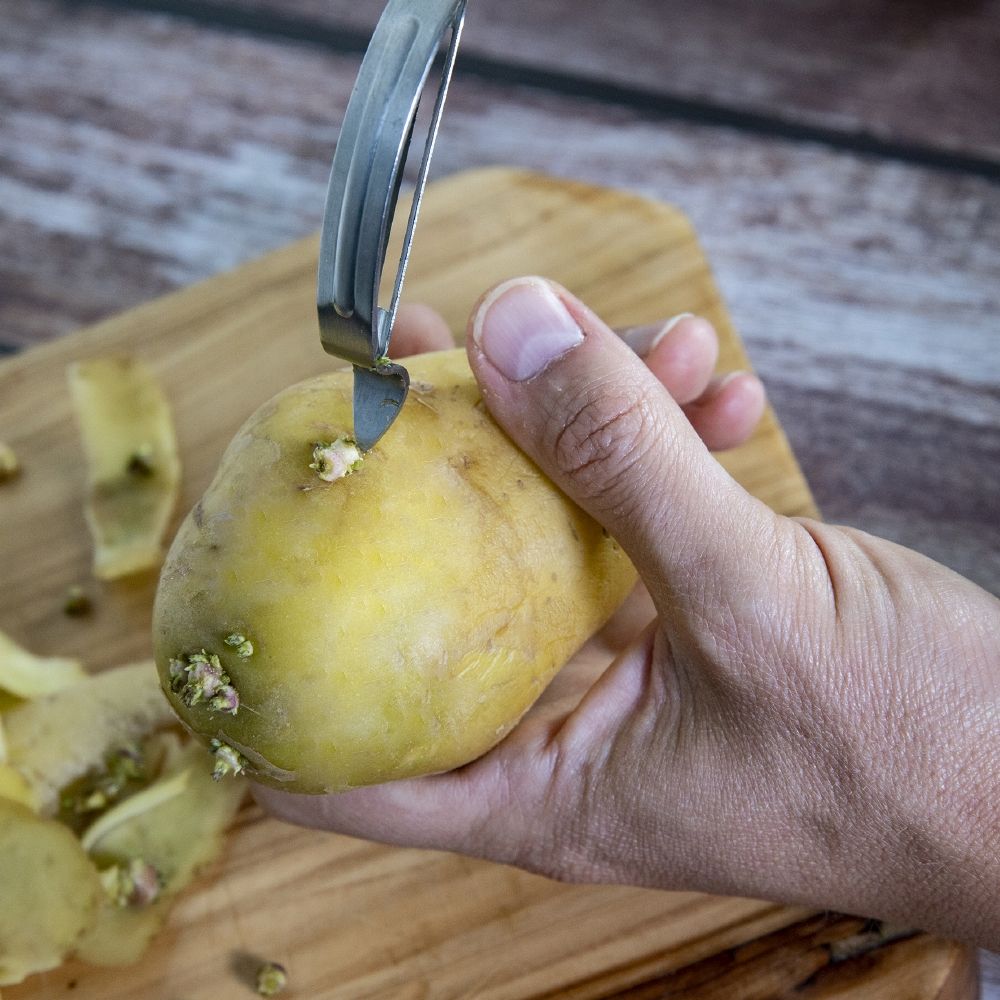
(361, 200)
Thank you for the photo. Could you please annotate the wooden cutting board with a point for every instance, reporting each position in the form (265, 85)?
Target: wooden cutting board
(351, 919)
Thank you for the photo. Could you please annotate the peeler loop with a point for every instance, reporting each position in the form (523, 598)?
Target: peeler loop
(361, 199)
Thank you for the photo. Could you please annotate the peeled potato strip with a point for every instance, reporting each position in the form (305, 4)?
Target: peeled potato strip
(149, 798)
(176, 826)
(180, 831)
(14, 787)
(50, 892)
(26, 675)
(133, 466)
(56, 739)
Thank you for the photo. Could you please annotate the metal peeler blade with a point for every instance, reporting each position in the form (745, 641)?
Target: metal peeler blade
(361, 200)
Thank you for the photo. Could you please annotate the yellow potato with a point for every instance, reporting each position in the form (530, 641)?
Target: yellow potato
(332, 623)
(49, 889)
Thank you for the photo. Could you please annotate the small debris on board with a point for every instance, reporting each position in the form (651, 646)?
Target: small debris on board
(10, 467)
(271, 979)
(77, 603)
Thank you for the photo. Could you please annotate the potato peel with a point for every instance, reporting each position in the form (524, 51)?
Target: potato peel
(56, 896)
(133, 465)
(177, 827)
(14, 787)
(50, 892)
(149, 798)
(26, 675)
(178, 832)
(10, 467)
(58, 738)
(120, 936)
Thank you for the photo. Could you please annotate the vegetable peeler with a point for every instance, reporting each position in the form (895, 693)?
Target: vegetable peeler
(361, 200)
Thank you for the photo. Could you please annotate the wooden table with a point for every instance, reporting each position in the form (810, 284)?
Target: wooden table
(840, 160)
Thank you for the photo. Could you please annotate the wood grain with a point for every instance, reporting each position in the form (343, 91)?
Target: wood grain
(990, 975)
(140, 154)
(920, 72)
(352, 919)
(816, 959)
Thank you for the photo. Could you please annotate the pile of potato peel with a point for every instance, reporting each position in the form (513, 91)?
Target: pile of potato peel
(105, 813)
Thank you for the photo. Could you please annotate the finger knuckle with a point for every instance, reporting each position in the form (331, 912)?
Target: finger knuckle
(599, 446)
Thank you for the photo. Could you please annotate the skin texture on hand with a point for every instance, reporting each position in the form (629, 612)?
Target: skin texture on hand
(786, 709)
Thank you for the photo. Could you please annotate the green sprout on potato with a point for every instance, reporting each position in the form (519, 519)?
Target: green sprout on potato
(228, 760)
(199, 678)
(136, 884)
(77, 602)
(241, 644)
(141, 461)
(122, 773)
(336, 459)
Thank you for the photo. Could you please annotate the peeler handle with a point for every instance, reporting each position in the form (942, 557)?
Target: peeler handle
(367, 171)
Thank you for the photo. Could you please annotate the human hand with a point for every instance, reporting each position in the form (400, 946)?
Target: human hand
(801, 712)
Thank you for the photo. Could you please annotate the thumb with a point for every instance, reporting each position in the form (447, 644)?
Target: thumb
(580, 403)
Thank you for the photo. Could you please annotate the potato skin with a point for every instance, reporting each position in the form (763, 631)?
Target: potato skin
(403, 618)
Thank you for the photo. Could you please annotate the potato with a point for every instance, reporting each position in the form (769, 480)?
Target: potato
(49, 889)
(333, 621)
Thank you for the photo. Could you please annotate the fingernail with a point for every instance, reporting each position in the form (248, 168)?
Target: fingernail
(643, 339)
(522, 327)
(717, 384)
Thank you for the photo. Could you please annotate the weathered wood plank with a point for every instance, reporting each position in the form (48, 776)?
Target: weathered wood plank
(140, 154)
(990, 975)
(923, 71)
(817, 959)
